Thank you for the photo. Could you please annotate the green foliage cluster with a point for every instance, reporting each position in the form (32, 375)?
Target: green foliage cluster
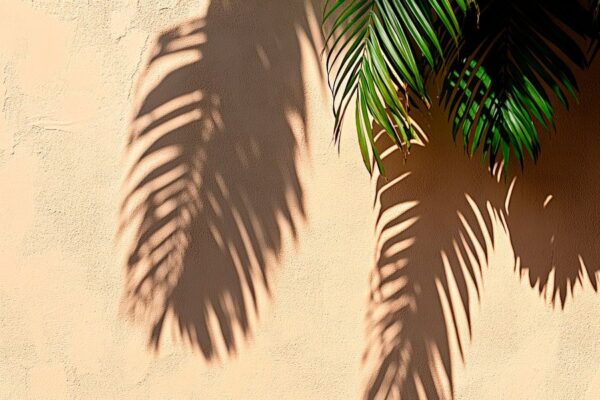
(501, 62)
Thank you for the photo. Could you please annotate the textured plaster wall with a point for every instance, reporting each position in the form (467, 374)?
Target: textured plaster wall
(68, 73)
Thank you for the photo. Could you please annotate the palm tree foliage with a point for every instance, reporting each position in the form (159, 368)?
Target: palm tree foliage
(515, 59)
(501, 61)
(378, 48)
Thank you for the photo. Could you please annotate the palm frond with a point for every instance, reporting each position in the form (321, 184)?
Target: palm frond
(500, 83)
(378, 51)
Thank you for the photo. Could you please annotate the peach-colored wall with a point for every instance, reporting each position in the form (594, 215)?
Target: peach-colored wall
(73, 74)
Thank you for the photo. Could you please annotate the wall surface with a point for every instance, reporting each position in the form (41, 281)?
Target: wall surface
(104, 99)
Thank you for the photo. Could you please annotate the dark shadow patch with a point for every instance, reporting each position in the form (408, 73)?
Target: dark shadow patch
(213, 181)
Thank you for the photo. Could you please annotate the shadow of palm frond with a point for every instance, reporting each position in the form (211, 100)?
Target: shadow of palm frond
(440, 217)
(554, 208)
(436, 216)
(212, 182)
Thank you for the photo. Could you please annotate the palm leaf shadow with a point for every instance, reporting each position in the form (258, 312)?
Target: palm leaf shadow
(436, 222)
(554, 214)
(212, 183)
(553, 232)
(439, 218)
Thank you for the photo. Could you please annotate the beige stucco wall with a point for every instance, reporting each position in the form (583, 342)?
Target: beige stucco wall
(69, 73)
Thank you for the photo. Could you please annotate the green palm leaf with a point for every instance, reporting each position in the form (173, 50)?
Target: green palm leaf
(500, 81)
(378, 52)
